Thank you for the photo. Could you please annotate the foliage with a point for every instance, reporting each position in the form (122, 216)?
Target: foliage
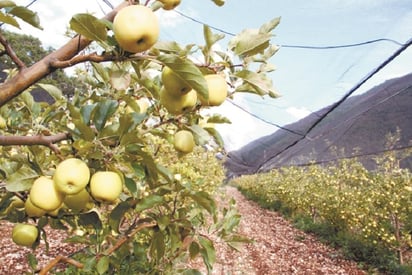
(344, 203)
(167, 202)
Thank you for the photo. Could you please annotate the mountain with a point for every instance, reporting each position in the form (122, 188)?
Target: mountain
(359, 125)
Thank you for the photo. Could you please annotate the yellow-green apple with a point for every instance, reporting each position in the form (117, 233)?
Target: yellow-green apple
(44, 194)
(106, 186)
(33, 211)
(174, 84)
(24, 234)
(77, 202)
(170, 4)
(136, 28)
(184, 141)
(71, 176)
(217, 87)
(178, 104)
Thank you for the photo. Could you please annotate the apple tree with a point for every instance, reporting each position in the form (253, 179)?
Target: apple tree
(130, 188)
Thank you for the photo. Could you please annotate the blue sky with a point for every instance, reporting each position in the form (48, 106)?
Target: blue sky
(307, 79)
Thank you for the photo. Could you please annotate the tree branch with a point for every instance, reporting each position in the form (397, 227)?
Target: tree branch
(93, 57)
(47, 141)
(10, 52)
(58, 259)
(27, 76)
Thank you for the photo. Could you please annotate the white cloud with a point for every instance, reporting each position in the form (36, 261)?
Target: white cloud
(298, 112)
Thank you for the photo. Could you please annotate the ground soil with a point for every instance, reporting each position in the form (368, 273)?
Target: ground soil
(276, 247)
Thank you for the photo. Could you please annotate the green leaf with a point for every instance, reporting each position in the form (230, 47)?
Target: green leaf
(250, 42)
(216, 135)
(103, 265)
(269, 26)
(165, 172)
(116, 215)
(103, 111)
(256, 83)
(7, 19)
(6, 4)
(210, 37)
(192, 272)
(32, 260)
(86, 112)
(149, 202)
(158, 247)
(21, 180)
(194, 250)
(90, 219)
(208, 252)
(201, 135)
(204, 200)
(188, 71)
(53, 90)
(89, 26)
(82, 130)
(218, 118)
(27, 16)
(168, 46)
(130, 185)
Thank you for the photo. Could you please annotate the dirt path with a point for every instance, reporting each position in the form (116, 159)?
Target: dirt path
(278, 248)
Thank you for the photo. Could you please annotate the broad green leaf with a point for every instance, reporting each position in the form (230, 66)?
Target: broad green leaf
(53, 90)
(188, 71)
(21, 180)
(192, 272)
(83, 130)
(216, 135)
(218, 118)
(102, 265)
(256, 83)
(32, 260)
(166, 173)
(210, 37)
(89, 26)
(101, 72)
(117, 214)
(130, 185)
(269, 26)
(158, 247)
(86, 112)
(7, 19)
(204, 200)
(208, 252)
(6, 4)
(26, 15)
(250, 42)
(194, 250)
(103, 112)
(149, 202)
(201, 135)
(90, 219)
(168, 46)
(32, 105)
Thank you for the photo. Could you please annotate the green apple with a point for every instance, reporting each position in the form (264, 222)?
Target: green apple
(173, 83)
(44, 195)
(24, 234)
(178, 104)
(169, 4)
(217, 87)
(71, 176)
(183, 141)
(77, 202)
(106, 186)
(33, 211)
(136, 28)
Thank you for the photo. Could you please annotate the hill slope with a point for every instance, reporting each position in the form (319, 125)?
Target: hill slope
(359, 125)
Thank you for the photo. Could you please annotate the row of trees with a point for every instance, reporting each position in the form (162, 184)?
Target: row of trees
(95, 116)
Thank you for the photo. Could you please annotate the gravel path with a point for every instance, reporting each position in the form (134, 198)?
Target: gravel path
(277, 247)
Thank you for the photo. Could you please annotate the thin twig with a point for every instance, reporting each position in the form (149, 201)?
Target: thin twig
(57, 260)
(10, 52)
(93, 57)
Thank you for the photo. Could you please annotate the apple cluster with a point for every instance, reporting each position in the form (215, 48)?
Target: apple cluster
(66, 189)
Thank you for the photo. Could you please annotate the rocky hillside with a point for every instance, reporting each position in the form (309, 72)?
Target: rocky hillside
(358, 126)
